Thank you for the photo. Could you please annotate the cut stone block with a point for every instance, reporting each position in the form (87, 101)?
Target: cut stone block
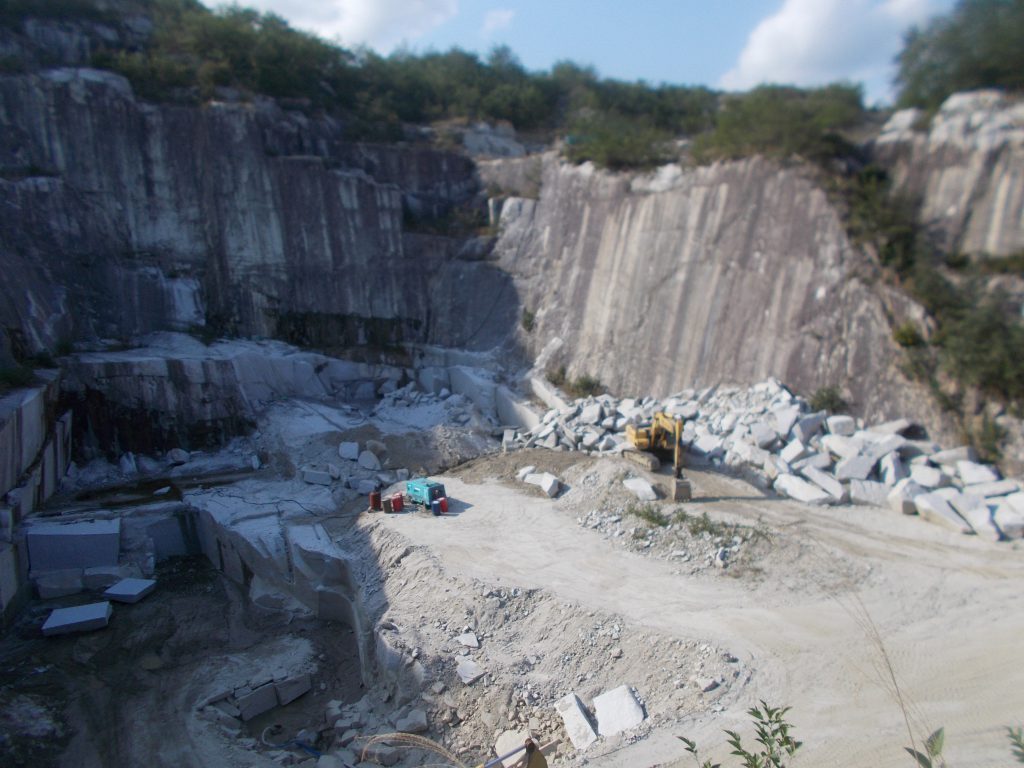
(289, 689)
(954, 455)
(826, 482)
(993, 490)
(855, 468)
(369, 460)
(316, 477)
(577, 724)
(972, 473)
(469, 671)
(842, 446)
(841, 425)
(709, 446)
(794, 451)
(59, 583)
(980, 519)
(591, 414)
(103, 576)
(547, 482)
(815, 461)
(901, 497)
(800, 490)
(935, 509)
(808, 427)
(640, 488)
(256, 702)
(348, 451)
(130, 590)
(928, 477)
(869, 493)
(877, 446)
(1009, 521)
(783, 419)
(762, 434)
(617, 710)
(86, 544)
(528, 470)
(891, 469)
(81, 618)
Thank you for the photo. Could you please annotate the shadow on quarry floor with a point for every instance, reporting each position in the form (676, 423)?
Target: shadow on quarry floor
(126, 695)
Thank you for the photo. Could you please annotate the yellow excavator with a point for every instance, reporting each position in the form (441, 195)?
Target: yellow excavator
(665, 436)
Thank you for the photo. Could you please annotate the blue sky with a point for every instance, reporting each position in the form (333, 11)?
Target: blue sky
(725, 44)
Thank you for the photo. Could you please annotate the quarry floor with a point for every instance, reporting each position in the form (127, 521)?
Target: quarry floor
(583, 593)
(817, 615)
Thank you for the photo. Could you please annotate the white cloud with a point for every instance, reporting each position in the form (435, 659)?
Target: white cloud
(812, 42)
(497, 20)
(381, 24)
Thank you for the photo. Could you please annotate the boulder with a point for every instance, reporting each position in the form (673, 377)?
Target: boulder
(891, 469)
(762, 434)
(841, 425)
(469, 671)
(927, 477)
(524, 471)
(996, 489)
(368, 460)
(316, 477)
(794, 451)
(808, 426)
(901, 497)
(414, 722)
(855, 468)
(469, 639)
(291, 688)
(953, 456)
(1009, 521)
(640, 488)
(177, 456)
(592, 414)
(506, 742)
(60, 582)
(255, 702)
(348, 451)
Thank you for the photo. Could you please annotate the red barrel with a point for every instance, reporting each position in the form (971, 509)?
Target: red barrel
(375, 501)
(444, 504)
(397, 502)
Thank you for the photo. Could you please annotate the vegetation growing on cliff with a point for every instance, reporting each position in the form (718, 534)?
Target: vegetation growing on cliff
(978, 45)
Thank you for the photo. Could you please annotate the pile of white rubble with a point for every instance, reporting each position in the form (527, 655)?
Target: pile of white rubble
(771, 436)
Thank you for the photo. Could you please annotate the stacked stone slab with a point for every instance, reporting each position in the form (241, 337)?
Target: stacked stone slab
(772, 437)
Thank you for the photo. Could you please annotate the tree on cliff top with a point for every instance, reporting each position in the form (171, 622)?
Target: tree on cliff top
(978, 45)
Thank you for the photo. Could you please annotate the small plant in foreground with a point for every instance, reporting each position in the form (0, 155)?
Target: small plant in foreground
(828, 399)
(932, 756)
(1017, 740)
(648, 514)
(772, 734)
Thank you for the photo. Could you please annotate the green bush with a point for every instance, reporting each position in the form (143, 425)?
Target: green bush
(772, 734)
(648, 514)
(781, 121)
(617, 142)
(977, 45)
(828, 399)
(906, 334)
(584, 385)
(527, 320)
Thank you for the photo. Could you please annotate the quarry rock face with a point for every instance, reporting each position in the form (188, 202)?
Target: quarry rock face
(731, 272)
(966, 168)
(126, 218)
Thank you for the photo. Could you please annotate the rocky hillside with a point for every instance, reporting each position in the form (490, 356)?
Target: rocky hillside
(242, 217)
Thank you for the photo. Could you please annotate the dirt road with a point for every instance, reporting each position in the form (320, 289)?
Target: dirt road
(948, 609)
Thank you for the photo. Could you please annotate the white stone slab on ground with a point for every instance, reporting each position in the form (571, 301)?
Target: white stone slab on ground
(841, 425)
(469, 671)
(130, 590)
(348, 451)
(901, 497)
(1009, 521)
(640, 488)
(81, 618)
(801, 490)
(973, 473)
(617, 710)
(980, 519)
(869, 493)
(547, 482)
(577, 724)
(935, 509)
(826, 482)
